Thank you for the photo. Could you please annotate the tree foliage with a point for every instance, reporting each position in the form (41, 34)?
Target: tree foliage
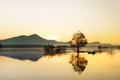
(79, 39)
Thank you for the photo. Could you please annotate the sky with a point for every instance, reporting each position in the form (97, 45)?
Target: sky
(99, 20)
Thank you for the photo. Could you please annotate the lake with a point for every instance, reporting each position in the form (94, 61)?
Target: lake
(35, 64)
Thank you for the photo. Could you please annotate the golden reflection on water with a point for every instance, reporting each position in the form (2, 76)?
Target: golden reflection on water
(65, 66)
(79, 63)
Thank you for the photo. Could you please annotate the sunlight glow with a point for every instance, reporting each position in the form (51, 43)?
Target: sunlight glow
(53, 38)
(99, 20)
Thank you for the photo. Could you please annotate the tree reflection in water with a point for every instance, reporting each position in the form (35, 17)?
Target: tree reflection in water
(79, 63)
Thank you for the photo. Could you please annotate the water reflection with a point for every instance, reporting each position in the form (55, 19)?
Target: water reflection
(32, 54)
(36, 54)
(110, 51)
(101, 66)
(51, 51)
(22, 54)
(79, 63)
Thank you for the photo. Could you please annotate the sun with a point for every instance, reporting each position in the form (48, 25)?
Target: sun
(53, 37)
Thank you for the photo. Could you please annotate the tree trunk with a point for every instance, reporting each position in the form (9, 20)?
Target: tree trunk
(78, 50)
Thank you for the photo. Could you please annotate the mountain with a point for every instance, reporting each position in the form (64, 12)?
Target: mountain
(29, 40)
(35, 39)
(98, 44)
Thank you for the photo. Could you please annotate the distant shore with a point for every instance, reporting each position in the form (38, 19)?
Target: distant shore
(41, 46)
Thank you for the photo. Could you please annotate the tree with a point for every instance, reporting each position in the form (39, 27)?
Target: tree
(79, 40)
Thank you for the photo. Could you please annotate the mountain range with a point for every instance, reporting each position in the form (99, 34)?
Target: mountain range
(35, 39)
(96, 43)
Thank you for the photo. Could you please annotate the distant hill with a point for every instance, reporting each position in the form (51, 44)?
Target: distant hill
(35, 39)
(30, 40)
(98, 44)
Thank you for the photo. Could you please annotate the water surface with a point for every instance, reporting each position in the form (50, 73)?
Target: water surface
(35, 64)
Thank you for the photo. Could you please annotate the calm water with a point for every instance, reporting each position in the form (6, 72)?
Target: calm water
(35, 64)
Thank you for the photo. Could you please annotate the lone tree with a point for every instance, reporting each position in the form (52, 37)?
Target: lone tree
(79, 40)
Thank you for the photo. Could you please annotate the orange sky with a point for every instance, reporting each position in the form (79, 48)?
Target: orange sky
(99, 20)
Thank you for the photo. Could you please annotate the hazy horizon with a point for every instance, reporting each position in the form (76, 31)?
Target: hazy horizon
(60, 19)
(56, 40)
